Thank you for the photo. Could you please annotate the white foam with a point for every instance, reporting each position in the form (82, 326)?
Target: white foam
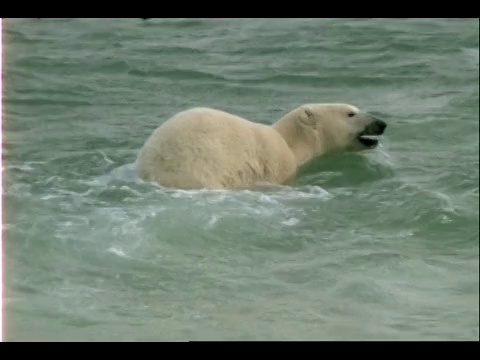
(117, 251)
(49, 196)
(213, 220)
(105, 157)
(23, 167)
(447, 203)
(124, 173)
(267, 199)
(291, 222)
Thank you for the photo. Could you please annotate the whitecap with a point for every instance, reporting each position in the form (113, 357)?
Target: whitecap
(291, 221)
(213, 220)
(105, 157)
(117, 251)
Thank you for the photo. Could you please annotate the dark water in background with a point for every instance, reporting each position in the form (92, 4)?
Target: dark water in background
(382, 245)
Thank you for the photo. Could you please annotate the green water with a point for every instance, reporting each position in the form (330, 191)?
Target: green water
(375, 246)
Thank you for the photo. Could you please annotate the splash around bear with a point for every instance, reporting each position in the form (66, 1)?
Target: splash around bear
(204, 148)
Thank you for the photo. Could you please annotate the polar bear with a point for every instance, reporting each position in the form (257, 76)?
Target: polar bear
(212, 149)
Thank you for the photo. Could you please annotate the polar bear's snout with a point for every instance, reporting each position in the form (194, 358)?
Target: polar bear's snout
(374, 127)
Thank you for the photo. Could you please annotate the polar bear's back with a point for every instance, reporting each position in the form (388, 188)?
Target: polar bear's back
(209, 148)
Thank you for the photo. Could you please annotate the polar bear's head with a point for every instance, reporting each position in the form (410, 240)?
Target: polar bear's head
(315, 129)
(340, 127)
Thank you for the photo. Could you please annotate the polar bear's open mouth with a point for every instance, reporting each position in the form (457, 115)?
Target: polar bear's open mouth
(369, 136)
(368, 140)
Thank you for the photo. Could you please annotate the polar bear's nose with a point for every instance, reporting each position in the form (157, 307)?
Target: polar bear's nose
(380, 125)
(374, 127)
(377, 125)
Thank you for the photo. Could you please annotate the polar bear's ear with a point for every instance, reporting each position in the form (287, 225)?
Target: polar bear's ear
(307, 118)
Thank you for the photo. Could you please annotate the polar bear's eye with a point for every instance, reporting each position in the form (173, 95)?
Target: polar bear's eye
(351, 114)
